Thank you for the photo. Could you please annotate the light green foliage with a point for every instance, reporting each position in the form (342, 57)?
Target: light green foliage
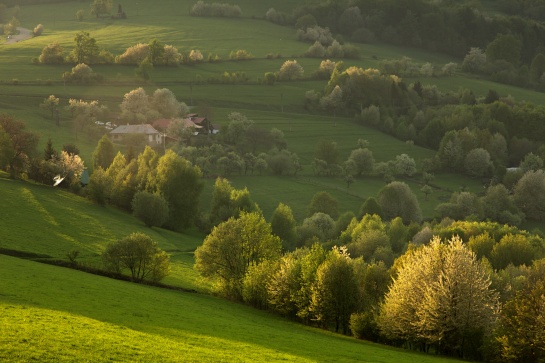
(290, 70)
(62, 322)
(104, 153)
(481, 245)
(513, 249)
(254, 286)
(229, 202)
(51, 103)
(180, 184)
(52, 54)
(441, 297)
(151, 208)
(398, 200)
(99, 187)
(139, 254)
(232, 247)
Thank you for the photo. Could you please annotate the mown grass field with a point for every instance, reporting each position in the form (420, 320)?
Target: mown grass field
(53, 314)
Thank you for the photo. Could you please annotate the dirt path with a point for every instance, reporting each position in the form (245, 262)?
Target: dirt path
(23, 35)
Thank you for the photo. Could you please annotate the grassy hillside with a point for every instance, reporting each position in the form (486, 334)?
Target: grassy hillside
(49, 221)
(51, 314)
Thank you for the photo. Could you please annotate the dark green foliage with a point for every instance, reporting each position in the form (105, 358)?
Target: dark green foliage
(283, 225)
(139, 254)
(398, 200)
(522, 323)
(325, 203)
(370, 206)
(86, 49)
(17, 146)
(152, 209)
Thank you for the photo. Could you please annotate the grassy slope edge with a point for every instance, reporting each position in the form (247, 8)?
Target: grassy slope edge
(48, 313)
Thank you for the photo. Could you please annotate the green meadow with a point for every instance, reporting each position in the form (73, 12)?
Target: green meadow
(53, 314)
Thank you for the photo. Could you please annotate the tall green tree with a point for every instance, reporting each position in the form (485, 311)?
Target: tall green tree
(179, 182)
(398, 200)
(530, 195)
(18, 146)
(101, 7)
(156, 51)
(104, 153)
(283, 225)
(86, 49)
(521, 333)
(335, 291)
(228, 202)
(232, 247)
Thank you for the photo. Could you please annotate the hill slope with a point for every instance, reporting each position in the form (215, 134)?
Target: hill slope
(49, 313)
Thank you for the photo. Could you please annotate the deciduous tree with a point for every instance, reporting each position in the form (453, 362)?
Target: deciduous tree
(232, 247)
(139, 254)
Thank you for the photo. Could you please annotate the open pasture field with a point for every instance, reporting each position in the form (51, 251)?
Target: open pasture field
(48, 221)
(169, 22)
(52, 314)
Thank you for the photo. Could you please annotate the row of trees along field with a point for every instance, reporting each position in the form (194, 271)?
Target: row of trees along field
(441, 295)
(446, 27)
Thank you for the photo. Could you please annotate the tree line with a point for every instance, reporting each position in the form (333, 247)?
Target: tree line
(440, 295)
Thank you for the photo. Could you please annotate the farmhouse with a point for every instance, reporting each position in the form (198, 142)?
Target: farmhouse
(152, 135)
(201, 125)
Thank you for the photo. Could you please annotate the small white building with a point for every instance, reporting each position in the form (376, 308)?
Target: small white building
(152, 136)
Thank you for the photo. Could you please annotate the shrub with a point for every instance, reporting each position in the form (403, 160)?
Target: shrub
(152, 209)
(215, 9)
(38, 30)
(134, 55)
(315, 33)
(52, 54)
(364, 326)
(139, 254)
(240, 54)
(82, 74)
